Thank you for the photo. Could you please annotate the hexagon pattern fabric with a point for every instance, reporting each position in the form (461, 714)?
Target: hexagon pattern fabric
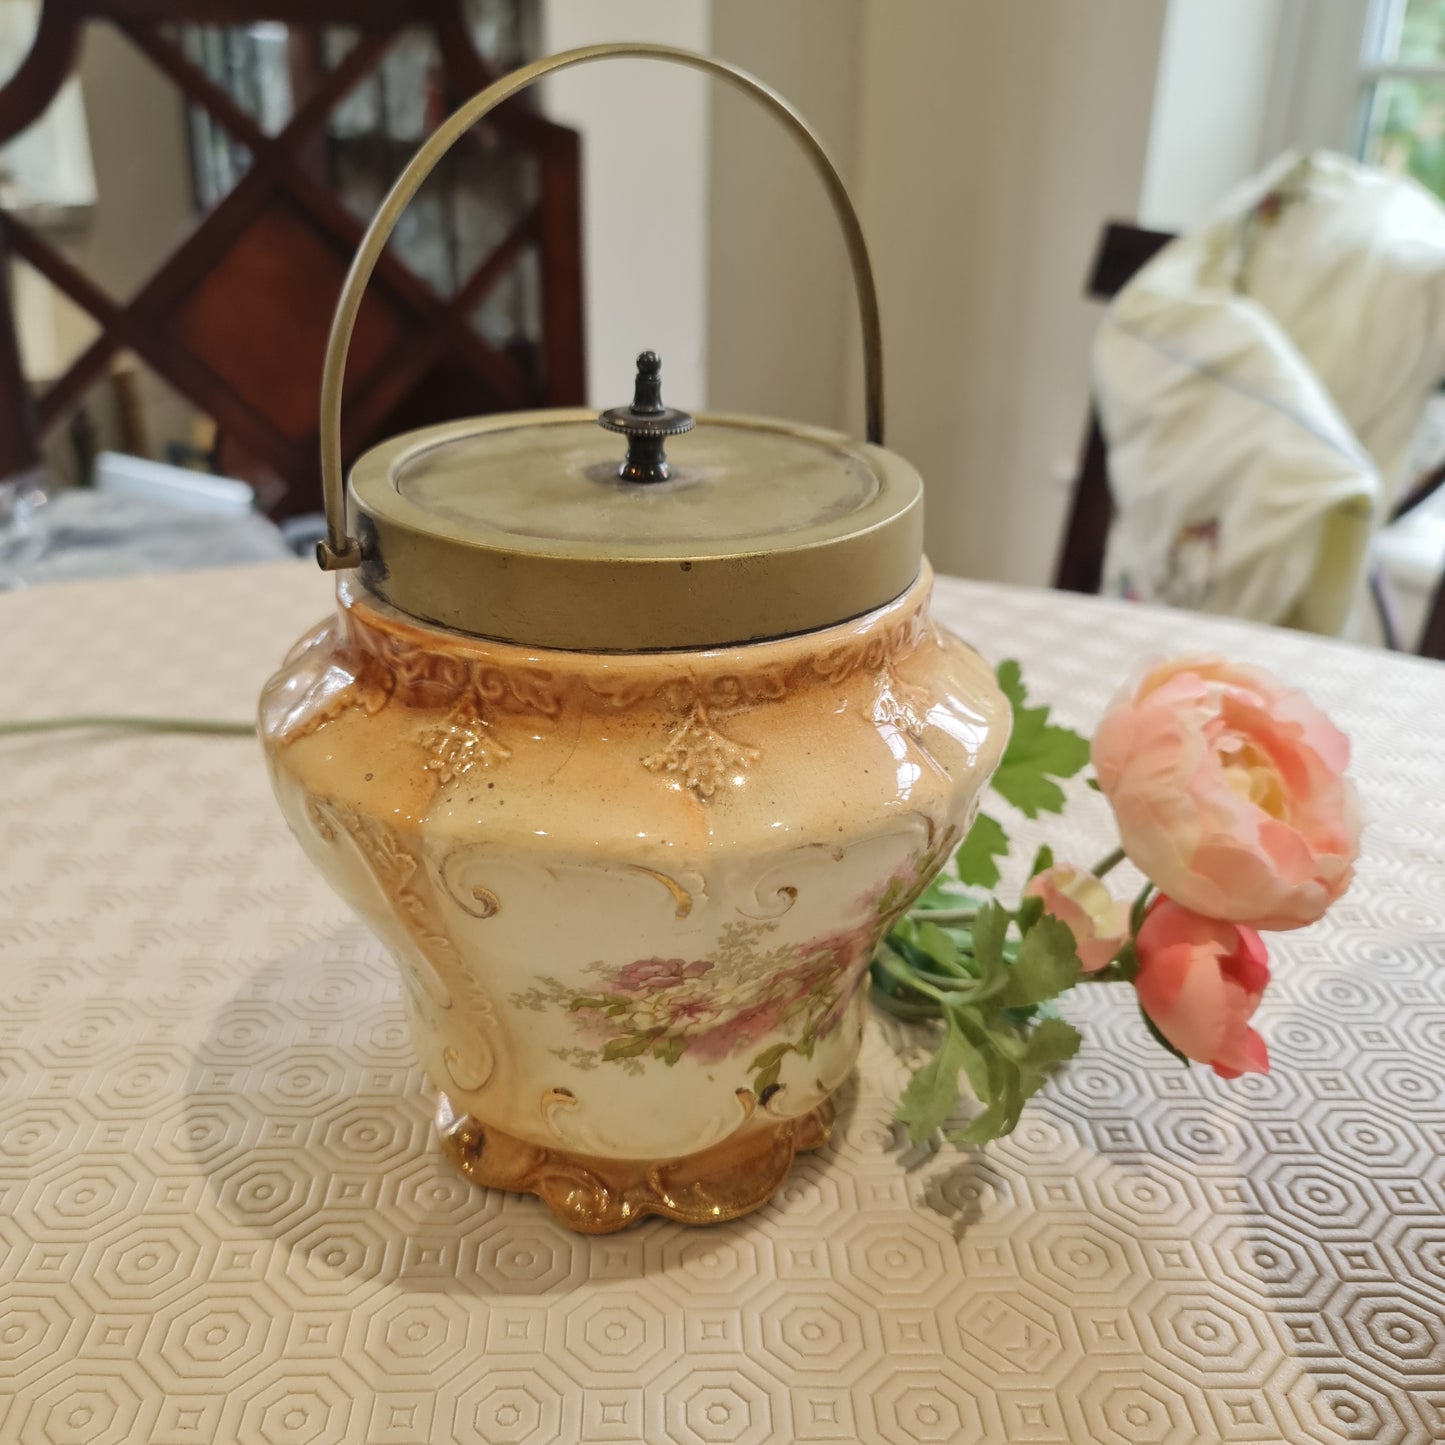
(223, 1216)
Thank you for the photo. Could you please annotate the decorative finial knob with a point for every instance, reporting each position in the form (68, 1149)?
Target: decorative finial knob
(645, 423)
(647, 394)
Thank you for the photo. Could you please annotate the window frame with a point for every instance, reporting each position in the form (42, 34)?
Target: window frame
(1379, 40)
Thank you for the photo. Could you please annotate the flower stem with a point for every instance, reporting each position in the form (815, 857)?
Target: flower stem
(905, 975)
(953, 969)
(895, 966)
(1124, 968)
(1108, 863)
(944, 917)
(135, 724)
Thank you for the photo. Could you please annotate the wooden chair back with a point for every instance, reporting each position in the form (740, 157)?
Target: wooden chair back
(1123, 250)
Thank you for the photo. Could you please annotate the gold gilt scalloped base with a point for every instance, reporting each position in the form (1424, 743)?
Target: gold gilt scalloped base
(601, 1196)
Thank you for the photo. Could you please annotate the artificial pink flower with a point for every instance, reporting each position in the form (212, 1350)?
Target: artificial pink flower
(1230, 792)
(1200, 981)
(1098, 921)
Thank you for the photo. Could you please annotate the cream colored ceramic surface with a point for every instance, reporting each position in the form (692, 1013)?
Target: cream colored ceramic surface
(633, 897)
(223, 1215)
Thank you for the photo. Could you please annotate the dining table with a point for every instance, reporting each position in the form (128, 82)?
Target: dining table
(224, 1215)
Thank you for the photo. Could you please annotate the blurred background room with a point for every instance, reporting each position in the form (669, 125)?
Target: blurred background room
(183, 185)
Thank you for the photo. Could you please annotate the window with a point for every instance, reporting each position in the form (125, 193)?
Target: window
(1401, 122)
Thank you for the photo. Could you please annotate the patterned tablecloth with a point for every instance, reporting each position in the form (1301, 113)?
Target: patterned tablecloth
(223, 1216)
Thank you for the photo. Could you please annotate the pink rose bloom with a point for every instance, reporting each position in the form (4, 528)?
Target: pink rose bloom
(1229, 791)
(649, 975)
(1200, 981)
(1098, 921)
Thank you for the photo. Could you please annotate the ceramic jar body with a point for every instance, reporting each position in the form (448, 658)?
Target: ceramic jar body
(632, 896)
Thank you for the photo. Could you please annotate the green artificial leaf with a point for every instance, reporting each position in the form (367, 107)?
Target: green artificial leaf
(898, 986)
(1051, 1042)
(1005, 1054)
(936, 944)
(974, 860)
(975, 1063)
(1038, 752)
(981, 1128)
(1093, 783)
(905, 930)
(1008, 1043)
(1006, 1102)
(932, 1093)
(1028, 913)
(1011, 682)
(1046, 965)
(903, 940)
(990, 928)
(891, 957)
(1160, 1039)
(1043, 860)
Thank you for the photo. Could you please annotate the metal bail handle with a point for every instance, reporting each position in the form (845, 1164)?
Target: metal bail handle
(341, 549)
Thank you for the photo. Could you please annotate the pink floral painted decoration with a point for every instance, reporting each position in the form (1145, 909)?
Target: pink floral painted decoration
(647, 975)
(717, 1008)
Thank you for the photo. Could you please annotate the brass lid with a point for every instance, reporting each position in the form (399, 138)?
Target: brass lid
(519, 527)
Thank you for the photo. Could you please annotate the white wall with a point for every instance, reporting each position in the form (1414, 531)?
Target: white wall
(1316, 86)
(997, 140)
(1240, 81)
(644, 244)
(781, 313)
(1211, 105)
